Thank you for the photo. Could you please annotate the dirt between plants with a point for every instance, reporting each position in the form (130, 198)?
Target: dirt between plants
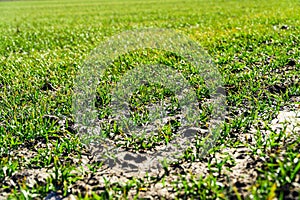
(240, 170)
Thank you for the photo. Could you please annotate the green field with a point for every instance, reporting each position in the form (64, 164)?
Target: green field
(254, 44)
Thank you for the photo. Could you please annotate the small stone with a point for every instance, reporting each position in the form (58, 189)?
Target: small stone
(159, 186)
(162, 192)
(53, 196)
(70, 197)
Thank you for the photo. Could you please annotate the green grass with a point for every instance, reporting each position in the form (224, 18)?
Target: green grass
(43, 44)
